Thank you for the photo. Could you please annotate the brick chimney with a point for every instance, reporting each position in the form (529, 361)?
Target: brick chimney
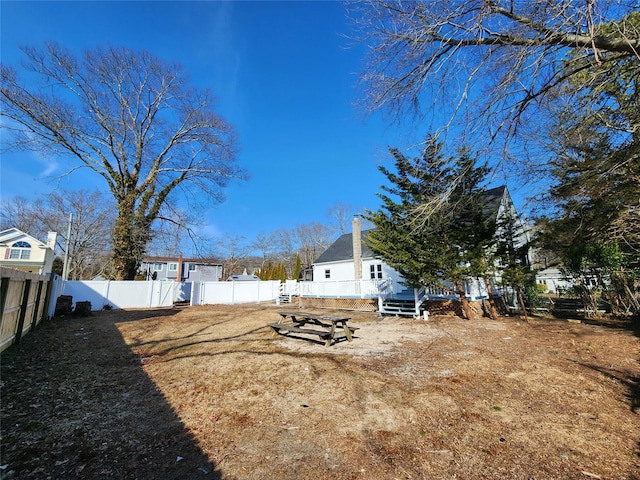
(179, 276)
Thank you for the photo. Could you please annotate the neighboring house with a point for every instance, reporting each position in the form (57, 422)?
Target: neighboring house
(349, 258)
(554, 280)
(178, 269)
(23, 252)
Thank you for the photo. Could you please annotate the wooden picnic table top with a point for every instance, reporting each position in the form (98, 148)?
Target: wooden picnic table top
(313, 316)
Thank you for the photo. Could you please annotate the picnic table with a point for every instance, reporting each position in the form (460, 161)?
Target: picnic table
(328, 328)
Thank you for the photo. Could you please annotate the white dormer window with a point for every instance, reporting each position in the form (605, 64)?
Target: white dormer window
(20, 251)
(157, 267)
(173, 267)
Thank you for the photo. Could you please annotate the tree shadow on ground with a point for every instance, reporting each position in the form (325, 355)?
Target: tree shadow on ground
(610, 322)
(630, 382)
(76, 403)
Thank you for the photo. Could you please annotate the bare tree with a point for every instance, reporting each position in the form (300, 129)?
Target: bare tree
(19, 213)
(286, 248)
(342, 215)
(492, 64)
(234, 252)
(312, 239)
(133, 120)
(175, 230)
(266, 245)
(91, 223)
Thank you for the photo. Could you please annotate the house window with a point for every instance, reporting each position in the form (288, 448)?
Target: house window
(327, 273)
(375, 271)
(173, 267)
(157, 267)
(20, 251)
(192, 267)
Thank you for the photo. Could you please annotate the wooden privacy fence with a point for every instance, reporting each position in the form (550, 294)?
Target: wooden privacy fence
(24, 302)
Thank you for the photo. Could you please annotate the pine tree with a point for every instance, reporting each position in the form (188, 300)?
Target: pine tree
(433, 226)
(596, 224)
(297, 269)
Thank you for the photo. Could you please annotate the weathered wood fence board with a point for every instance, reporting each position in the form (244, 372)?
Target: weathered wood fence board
(23, 304)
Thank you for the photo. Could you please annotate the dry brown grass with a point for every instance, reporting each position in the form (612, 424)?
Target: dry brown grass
(407, 399)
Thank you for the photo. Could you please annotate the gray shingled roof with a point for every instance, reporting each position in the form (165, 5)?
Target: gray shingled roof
(342, 248)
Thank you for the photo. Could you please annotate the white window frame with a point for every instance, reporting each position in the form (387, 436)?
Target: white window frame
(20, 251)
(327, 273)
(375, 271)
(157, 267)
(173, 267)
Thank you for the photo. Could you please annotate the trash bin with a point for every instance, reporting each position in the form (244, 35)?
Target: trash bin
(83, 309)
(64, 305)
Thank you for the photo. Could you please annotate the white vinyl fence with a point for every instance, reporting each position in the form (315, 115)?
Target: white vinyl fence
(229, 293)
(121, 294)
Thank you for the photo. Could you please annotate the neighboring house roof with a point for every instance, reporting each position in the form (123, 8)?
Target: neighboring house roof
(342, 249)
(199, 261)
(11, 235)
(243, 278)
(31, 253)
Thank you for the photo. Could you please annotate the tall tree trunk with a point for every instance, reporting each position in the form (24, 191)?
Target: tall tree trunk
(130, 235)
(493, 309)
(523, 307)
(464, 301)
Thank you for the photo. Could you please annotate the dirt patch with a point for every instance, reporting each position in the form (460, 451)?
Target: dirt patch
(210, 392)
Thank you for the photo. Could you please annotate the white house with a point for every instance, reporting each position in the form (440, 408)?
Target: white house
(554, 280)
(349, 260)
(23, 252)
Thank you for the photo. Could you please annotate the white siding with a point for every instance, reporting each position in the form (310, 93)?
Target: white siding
(344, 271)
(339, 271)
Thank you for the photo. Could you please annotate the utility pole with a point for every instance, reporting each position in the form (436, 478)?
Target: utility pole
(65, 267)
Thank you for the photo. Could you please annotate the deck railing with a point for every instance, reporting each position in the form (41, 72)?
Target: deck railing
(340, 289)
(375, 288)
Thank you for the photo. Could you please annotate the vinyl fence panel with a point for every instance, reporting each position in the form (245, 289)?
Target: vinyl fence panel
(229, 293)
(121, 294)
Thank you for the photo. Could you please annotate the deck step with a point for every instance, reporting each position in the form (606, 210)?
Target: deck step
(286, 297)
(398, 306)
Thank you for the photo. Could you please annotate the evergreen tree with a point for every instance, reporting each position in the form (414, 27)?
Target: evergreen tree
(511, 255)
(271, 271)
(433, 226)
(297, 269)
(596, 224)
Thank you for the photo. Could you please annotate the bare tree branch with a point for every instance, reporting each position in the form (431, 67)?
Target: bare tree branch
(130, 118)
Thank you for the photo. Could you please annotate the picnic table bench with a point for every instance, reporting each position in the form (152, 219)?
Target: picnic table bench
(327, 327)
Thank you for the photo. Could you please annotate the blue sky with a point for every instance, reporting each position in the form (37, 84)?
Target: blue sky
(285, 76)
